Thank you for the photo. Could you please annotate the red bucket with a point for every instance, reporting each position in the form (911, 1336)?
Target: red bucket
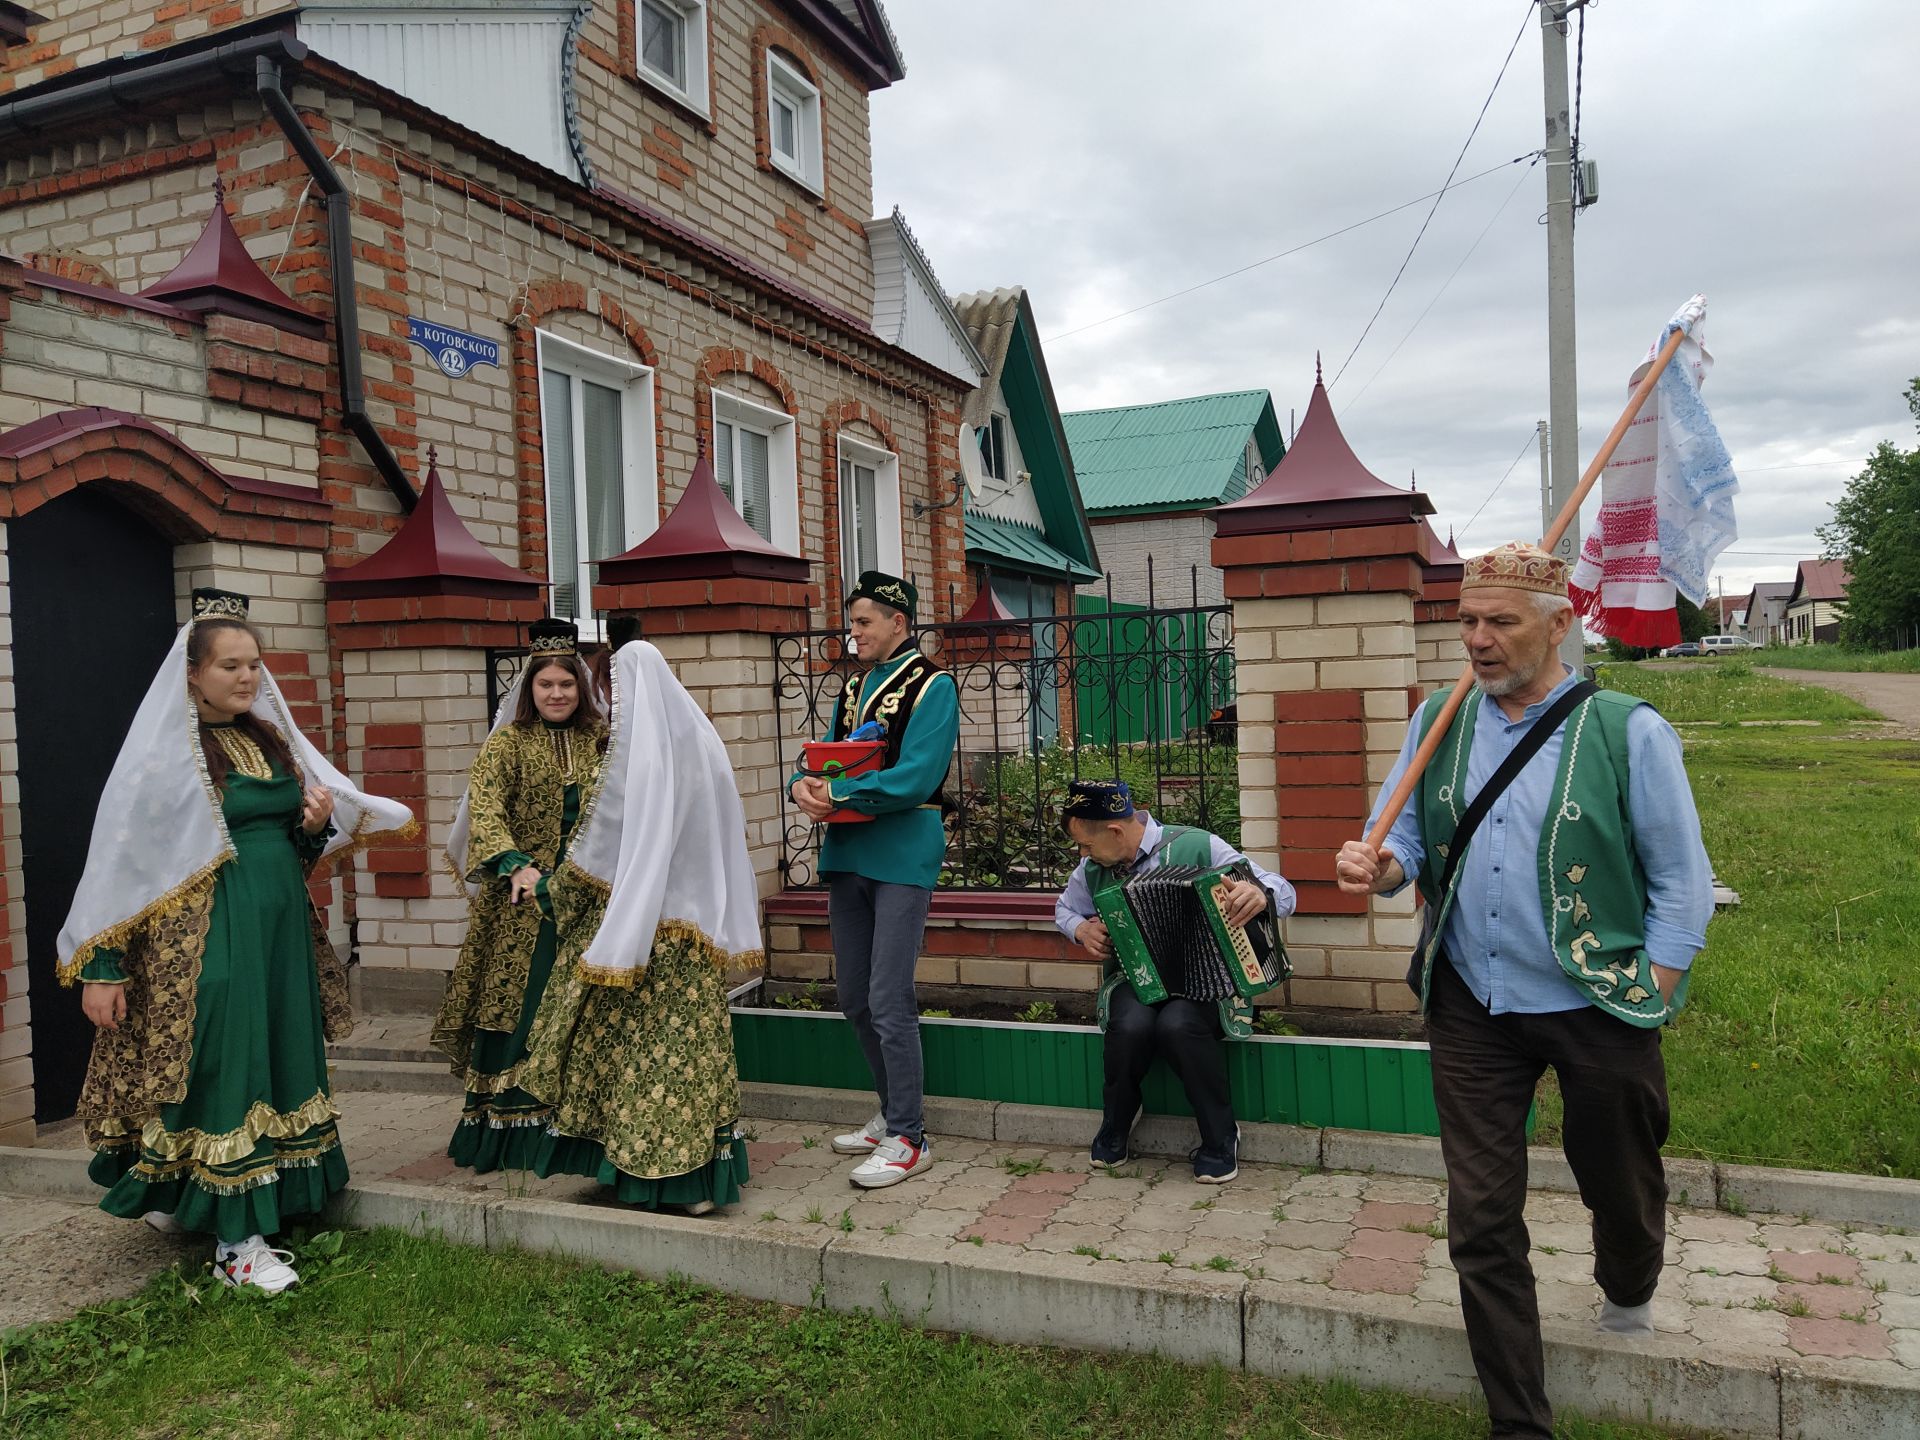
(840, 759)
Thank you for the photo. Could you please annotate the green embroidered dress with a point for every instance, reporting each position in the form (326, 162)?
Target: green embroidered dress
(252, 1141)
(497, 986)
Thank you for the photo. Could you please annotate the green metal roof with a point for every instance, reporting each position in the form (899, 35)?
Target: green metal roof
(1174, 455)
(1007, 544)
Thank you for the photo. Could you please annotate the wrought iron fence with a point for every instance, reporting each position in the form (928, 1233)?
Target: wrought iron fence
(503, 668)
(1139, 693)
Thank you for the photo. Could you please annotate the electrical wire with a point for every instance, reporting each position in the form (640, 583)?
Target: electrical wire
(1484, 105)
(1533, 439)
(1295, 250)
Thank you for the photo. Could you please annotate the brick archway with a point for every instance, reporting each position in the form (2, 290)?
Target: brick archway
(153, 473)
(555, 297)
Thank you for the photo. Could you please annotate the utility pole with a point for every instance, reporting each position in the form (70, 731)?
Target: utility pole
(1563, 409)
(1546, 483)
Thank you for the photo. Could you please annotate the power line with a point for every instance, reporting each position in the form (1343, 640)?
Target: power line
(1348, 405)
(1533, 438)
(1295, 250)
(1525, 21)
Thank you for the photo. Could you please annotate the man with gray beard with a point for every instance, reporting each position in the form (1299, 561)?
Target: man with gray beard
(1557, 849)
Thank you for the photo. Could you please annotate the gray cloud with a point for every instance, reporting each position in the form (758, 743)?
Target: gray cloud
(1104, 154)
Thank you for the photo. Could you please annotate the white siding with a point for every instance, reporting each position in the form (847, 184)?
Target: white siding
(494, 69)
(1012, 498)
(908, 308)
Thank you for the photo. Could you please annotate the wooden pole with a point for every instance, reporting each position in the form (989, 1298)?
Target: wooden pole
(1422, 757)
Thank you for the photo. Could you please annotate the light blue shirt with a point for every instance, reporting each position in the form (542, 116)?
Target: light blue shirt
(1497, 933)
(1075, 906)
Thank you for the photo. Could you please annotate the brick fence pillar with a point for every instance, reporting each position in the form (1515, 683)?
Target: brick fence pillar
(413, 623)
(1436, 619)
(1324, 564)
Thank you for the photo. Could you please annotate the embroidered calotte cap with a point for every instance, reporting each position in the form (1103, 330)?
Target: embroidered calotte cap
(888, 590)
(211, 604)
(1097, 800)
(1517, 566)
(552, 637)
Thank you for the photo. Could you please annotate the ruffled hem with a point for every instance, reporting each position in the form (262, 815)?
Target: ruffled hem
(717, 1182)
(161, 1147)
(626, 977)
(499, 1132)
(253, 1198)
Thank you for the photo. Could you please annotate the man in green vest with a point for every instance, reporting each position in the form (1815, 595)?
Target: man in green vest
(881, 871)
(1115, 840)
(1560, 928)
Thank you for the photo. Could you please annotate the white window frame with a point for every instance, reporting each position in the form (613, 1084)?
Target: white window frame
(888, 544)
(994, 453)
(783, 461)
(639, 463)
(693, 21)
(785, 81)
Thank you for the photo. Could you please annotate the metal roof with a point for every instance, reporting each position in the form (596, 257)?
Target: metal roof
(1021, 547)
(1176, 454)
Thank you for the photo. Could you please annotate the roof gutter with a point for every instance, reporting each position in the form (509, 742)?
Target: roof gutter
(346, 321)
(130, 94)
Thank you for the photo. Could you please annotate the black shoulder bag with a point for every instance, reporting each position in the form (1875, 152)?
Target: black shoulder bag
(1510, 768)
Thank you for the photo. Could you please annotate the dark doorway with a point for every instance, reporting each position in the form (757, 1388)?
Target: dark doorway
(92, 592)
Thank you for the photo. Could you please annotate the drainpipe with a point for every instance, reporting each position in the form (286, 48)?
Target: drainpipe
(353, 392)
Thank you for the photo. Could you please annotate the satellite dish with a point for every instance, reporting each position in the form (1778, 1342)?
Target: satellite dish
(970, 466)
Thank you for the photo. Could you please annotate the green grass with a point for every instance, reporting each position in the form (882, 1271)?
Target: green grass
(1836, 657)
(1800, 1042)
(398, 1337)
(1727, 691)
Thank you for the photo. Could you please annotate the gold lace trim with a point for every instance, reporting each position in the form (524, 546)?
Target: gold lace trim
(243, 752)
(686, 931)
(117, 937)
(263, 1122)
(497, 1083)
(265, 1173)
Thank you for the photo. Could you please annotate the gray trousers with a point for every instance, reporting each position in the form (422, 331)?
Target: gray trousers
(877, 930)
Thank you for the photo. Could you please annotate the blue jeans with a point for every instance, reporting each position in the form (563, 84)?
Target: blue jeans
(877, 930)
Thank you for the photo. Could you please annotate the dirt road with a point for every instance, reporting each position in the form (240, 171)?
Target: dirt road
(1895, 696)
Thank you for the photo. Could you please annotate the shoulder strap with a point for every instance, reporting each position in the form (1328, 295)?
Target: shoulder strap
(1543, 730)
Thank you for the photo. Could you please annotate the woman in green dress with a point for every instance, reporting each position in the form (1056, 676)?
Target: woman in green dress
(633, 1049)
(523, 799)
(204, 967)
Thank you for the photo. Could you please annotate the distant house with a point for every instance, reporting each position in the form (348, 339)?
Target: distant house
(1723, 611)
(1815, 603)
(1149, 475)
(1764, 610)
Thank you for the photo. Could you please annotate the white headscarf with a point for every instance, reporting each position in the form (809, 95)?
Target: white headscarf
(159, 828)
(665, 836)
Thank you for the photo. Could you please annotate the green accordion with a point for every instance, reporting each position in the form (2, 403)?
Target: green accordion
(1171, 938)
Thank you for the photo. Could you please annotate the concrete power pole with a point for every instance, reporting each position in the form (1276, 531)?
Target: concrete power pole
(1546, 483)
(1563, 409)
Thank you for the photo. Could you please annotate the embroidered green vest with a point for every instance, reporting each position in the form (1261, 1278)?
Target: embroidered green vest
(1591, 883)
(892, 701)
(1180, 845)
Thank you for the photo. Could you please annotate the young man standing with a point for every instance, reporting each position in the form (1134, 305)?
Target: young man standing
(1115, 840)
(881, 872)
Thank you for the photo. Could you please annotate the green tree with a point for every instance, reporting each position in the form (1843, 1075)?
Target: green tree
(1876, 531)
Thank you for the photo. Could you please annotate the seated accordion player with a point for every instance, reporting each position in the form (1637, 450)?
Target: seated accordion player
(1172, 938)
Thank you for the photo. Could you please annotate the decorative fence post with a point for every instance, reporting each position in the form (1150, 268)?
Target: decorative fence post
(1436, 618)
(413, 622)
(1324, 564)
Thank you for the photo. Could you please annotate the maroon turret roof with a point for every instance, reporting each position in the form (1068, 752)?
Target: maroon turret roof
(218, 275)
(432, 553)
(1320, 481)
(987, 610)
(1445, 557)
(704, 537)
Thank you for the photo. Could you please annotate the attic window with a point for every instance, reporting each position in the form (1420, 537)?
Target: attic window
(793, 122)
(673, 49)
(993, 447)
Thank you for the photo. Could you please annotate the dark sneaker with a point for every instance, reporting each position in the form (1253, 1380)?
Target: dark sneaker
(1217, 1167)
(1110, 1146)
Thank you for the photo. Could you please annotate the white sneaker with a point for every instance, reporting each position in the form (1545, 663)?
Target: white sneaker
(892, 1160)
(163, 1222)
(697, 1207)
(256, 1263)
(862, 1141)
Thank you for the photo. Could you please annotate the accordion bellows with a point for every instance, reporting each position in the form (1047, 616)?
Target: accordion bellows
(1171, 938)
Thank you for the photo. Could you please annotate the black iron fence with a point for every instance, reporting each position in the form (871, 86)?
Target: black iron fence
(1139, 693)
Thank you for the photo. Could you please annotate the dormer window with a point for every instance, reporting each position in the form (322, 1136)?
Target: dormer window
(793, 123)
(673, 49)
(993, 447)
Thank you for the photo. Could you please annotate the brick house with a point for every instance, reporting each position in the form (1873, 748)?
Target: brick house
(477, 291)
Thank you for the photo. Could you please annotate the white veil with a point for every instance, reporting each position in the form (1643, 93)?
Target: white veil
(665, 837)
(159, 828)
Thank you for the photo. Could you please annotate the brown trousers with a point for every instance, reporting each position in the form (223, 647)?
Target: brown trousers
(1614, 1084)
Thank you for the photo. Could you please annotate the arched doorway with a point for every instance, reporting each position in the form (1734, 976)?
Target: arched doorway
(91, 585)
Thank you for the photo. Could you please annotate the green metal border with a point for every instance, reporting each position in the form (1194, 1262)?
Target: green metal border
(1384, 1085)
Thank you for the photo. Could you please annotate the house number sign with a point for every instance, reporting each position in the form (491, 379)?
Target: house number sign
(454, 351)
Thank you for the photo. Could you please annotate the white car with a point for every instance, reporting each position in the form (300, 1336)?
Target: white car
(1725, 644)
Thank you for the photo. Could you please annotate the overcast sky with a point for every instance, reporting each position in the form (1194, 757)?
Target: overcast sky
(1105, 153)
